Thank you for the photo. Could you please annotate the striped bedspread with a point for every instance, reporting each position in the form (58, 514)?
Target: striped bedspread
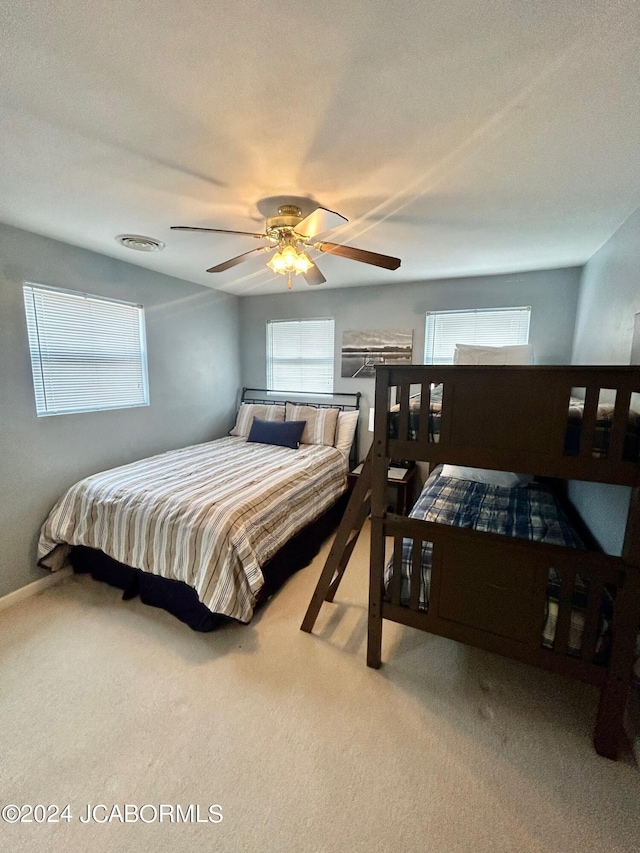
(209, 515)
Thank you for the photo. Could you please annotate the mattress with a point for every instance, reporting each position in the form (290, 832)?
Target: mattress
(210, 515)
(602, 432)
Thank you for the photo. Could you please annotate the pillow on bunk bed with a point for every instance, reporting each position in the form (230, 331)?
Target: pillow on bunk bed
(517, 354)
(345, 431)
(248, 411)
(435, 394)
(435, 397)
(280, 433)
(506, 479)
(435, 401)
(320, 423)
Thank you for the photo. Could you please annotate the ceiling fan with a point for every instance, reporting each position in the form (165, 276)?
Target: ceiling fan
(286, 232)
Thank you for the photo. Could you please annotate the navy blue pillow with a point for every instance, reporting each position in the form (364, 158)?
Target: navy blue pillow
(280, 433)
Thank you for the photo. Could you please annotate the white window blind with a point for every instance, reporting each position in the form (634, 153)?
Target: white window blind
(300, 355)
(493, 327)
(87, 352)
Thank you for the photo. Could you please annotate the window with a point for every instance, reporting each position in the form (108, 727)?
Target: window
(300, 355)
(87, 353)
(492, 327)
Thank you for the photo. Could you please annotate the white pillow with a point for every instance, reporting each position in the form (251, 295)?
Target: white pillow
(468, 354)
(345, 431)
(435, 394)
(506, 479)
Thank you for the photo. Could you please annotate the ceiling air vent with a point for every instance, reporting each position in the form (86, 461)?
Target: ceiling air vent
(140, 243)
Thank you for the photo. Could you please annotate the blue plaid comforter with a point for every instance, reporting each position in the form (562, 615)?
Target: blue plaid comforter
(527, 512)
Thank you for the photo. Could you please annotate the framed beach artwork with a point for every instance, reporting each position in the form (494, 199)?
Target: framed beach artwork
(363, 350)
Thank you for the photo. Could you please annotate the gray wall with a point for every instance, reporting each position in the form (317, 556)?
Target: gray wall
(193, 349)
(609, 300)
(552, 295)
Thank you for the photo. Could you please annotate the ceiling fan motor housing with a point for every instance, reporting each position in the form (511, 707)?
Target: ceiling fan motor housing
(289, 215)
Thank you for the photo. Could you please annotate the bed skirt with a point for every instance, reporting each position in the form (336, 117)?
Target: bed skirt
(181, 600)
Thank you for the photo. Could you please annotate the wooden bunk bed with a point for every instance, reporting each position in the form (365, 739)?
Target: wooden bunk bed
(489, 590)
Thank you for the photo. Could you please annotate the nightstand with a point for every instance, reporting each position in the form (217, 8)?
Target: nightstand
(400, 484)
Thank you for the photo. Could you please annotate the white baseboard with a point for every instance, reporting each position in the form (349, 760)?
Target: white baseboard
(33, 588)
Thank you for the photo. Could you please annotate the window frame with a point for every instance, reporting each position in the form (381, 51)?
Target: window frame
(276, 386)
(43, 364)
(429, 346)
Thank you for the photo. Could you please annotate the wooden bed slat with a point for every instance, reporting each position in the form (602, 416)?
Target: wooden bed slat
(425, 410)
(396, 580)
(558, 434)
(589, 418)
(589, 634)
(619, 426)
(403, 421)
(416, 573)
(563, 626)
(446, 413)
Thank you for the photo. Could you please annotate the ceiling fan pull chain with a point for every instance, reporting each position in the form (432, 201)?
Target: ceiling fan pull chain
(289, 282)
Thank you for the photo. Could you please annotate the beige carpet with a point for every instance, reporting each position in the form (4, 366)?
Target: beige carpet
(301, 745)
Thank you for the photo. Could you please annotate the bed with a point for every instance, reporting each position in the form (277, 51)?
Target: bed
(531, 510)
(557, 603)
(209, 531)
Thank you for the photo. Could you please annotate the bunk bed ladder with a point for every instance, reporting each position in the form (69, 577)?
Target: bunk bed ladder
(347, 535)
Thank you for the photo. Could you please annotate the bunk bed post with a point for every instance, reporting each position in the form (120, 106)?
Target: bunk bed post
(374, 633)
(379, 466)
(609, 728)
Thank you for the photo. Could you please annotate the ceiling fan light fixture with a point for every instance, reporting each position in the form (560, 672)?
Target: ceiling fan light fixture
(289, 230)
(304, 263)
(288, 260)
(277, 264)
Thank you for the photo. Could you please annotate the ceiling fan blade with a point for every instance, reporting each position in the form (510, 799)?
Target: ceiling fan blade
(320, 220)
(385, 261)
(215, 230)
(232, 262)
(314, 276)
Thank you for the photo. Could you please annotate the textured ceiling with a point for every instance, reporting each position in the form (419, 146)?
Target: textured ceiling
(463, 136)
